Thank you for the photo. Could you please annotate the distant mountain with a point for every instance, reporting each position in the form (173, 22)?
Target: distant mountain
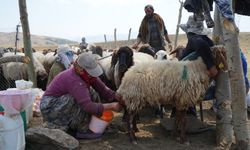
(8, 40)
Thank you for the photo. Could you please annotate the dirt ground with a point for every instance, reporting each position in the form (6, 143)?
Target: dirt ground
(152, 135)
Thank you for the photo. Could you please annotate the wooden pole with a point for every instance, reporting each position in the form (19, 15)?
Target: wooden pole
(17, 31)
(237, 85)
(105, 38)
(179, 20)
(129, 34)
(27, 41)
(224, 128)
(115, 38)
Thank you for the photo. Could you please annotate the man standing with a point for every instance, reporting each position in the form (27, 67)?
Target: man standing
(153, 31)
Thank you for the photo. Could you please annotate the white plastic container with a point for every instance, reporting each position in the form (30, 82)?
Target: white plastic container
(97, 125)
(11, 134)
(22, 84)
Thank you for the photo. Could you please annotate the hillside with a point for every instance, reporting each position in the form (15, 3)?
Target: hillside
(8, 40)
(43, 42)
(244, 39)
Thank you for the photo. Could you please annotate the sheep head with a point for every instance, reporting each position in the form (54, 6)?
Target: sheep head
(178, 51)
(147, 49)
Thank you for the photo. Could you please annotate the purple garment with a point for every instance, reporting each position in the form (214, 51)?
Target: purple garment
(68, 82)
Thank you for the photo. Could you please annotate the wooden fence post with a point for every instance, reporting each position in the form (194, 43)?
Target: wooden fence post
(224, 128)
(129, 34)
(105, 38)
(238, 92)
(115, 38)
(27, 41)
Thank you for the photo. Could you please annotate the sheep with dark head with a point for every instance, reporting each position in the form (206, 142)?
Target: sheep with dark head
(179, 83)
(146, 48)
(123, 59)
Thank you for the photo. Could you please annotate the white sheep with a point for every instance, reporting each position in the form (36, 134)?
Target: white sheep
(18, 70)
(40, 56)
(179, 83)
(49, 60)
(162, 54)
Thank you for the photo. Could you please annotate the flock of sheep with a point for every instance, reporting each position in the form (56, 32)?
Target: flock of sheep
(142, 78)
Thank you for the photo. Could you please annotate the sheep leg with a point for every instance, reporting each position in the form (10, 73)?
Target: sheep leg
(135, 123)
(183, 123)
(176, 124)
(125, 115)
(131, 131)
(135, 118)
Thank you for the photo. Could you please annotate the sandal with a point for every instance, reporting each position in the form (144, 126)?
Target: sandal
(90, 135)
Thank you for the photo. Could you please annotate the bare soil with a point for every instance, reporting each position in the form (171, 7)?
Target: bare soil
(151, 135)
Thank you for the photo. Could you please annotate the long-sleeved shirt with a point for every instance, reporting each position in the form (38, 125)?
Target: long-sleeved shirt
(68, 82)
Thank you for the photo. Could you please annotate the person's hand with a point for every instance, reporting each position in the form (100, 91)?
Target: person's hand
(118, 97)
(26, 59)
(135, 46)
(116, 106)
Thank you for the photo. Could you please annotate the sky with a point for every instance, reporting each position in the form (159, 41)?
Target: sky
(73, 19)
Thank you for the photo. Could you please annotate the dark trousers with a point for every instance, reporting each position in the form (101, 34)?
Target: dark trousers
(201, 44)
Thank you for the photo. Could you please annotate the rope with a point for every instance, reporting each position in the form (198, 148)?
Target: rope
(105, 57)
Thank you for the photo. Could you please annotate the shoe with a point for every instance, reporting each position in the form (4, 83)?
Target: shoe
(89, 135)
(210, 24)
(111, 129)
(209, 21)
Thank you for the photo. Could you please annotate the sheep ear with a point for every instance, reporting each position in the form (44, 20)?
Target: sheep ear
(174, 51)
(114, 58)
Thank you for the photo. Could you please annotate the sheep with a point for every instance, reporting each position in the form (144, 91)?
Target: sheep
(179, 83)
(97, 50)
(106, 77)
(146, 48)
(4, 83)
(49, 60)
(123, 59)
(40, 56)
(178, 51)
(17, 70)
(162, 54)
